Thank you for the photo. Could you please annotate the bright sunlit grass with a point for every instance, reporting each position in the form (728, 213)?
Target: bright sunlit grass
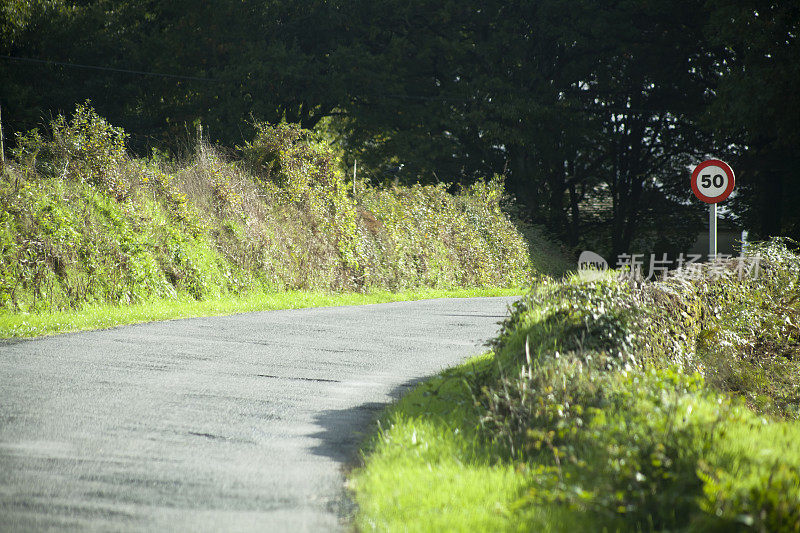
(15, 325)
(427, 471)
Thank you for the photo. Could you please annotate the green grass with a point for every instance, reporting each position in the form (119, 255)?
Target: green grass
(14, 325)
(426, 470)
(607, 406)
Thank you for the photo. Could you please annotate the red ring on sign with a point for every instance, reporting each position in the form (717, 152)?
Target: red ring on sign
(725, 168)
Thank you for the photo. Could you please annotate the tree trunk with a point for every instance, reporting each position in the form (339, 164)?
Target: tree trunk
(632, 215)
(520, 180)
(557, 216)
(633, 178)
(771, 200)
(574, 225)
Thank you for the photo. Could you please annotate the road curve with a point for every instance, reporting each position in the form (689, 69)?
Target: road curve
(234, 423)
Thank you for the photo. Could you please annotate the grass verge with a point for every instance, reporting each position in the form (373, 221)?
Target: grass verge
(16, 325)
(670, 455)
(428, 470)
(607, 405)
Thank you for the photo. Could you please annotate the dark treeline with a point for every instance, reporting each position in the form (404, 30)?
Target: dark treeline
(593, 110)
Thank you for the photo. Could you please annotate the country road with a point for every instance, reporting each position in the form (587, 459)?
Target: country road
(238, 423)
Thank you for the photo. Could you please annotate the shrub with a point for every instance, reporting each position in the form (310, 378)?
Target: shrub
(290, 157)
(625, 400)
(85, 148)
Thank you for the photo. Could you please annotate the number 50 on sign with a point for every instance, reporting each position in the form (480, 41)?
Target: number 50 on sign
(712, 181)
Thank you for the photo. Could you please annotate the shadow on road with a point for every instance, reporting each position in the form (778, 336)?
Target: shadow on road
(343, 431)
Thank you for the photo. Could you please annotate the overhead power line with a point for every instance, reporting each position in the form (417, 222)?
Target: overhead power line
(441, 97)
(109, 69)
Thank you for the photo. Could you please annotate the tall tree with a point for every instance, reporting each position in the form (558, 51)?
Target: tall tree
(571, 101)
(643, 80)
(756, 108)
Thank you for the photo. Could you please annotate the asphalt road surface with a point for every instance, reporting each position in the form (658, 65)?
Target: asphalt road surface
(239, 423)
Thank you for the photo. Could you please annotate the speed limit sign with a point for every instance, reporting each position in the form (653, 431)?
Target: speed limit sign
(712, 181)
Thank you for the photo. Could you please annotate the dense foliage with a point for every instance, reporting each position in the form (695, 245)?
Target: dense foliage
(609, 405)
(593, 110)
(81, 222)
(628, 400)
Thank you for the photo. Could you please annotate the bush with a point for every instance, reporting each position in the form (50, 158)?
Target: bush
(652, 406)
(85, 148)
(290, 157)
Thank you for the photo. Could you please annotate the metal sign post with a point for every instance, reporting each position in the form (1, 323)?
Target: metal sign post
(712, 182)
(712, 230)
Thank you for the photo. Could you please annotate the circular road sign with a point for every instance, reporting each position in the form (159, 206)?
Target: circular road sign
(712, 181)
